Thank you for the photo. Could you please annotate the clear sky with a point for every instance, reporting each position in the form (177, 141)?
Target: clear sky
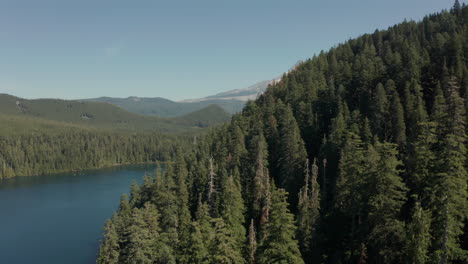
(175, 49)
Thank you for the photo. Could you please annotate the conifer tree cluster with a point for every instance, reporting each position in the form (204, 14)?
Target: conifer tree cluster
(358, 155)
(67, 149)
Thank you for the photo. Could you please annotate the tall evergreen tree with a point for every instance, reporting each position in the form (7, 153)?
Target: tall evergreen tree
(224, 247)
(292, 153)
(397, 119)
(144, 234)
(233, 210)
(451, 207)
(351, 189)
(421, 162)
(252, 242)
(387, 196)
(109, 251)
(308, 211)
(259, 190)
(279, 245)
(196, 251)
(418, 238)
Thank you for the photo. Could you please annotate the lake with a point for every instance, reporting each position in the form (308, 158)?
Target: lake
(59, 218)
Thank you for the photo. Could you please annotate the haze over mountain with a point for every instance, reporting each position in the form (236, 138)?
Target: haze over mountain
(231, 101)
(246, 94)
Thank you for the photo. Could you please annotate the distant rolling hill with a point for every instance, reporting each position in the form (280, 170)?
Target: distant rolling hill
(206, 117)
(166, 108)
(231, 101)
(18, 112)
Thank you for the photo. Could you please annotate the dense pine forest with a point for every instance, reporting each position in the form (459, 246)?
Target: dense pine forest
(43, 153)
(357, 155)
(33, 146)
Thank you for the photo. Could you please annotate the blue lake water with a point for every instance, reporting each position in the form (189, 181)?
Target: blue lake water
(58, 219)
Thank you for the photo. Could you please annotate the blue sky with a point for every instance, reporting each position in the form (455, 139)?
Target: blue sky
(175, 49)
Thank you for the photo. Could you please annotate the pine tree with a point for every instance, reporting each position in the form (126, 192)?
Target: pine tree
(451, 184)
(415, 108)
(224, 247)
(308, 211)
(144, 234)
(421, 161)
(124, 206)
(258, 189)
(196, 251)
(397, 119)
(366, 133)
(109, 251)
(203, 219)
(233, 210)
(292, 153)
(252, 242)
(418, 238)
(237, 148)
(379, 111)
(387, 196)
(164, 198)
(212, 187)
(183, 212)
(135, 194)
(351, 185)
(338, 125)
(279, 245)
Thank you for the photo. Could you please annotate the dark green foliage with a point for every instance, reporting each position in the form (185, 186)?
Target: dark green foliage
(418, 238)
(233, 210)
(386, 198)
(62, 148)
(308, 212)
(450, 186)
(397, 120)
(279, 245)
(143, 238)
(109, 251)
(196, 251)
(224, 247)
(292, 152)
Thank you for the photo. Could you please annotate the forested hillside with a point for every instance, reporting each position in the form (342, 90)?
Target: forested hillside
(206, 117)
(31, 146)
(357, 155)
(48, 135)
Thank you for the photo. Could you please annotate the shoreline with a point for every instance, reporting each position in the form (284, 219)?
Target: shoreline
(78, 171)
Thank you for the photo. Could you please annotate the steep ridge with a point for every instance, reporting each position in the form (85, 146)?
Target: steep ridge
(369, 141)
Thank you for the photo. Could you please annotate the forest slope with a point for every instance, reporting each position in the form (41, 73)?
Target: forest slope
(369, 141)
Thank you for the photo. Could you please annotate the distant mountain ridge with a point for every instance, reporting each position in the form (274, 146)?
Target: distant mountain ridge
(103, 115)
(246, 94)
(231, 101)
(165, 108)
